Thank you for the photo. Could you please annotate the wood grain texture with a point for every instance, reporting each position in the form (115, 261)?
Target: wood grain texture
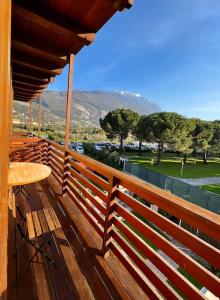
(21, 173)
(5, 99)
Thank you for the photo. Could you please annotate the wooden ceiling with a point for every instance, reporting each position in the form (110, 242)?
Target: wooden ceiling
(45, 32)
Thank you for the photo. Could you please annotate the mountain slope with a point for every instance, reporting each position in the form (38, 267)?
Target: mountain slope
(88, 106)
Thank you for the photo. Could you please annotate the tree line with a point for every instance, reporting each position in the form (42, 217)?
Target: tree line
(180, 134)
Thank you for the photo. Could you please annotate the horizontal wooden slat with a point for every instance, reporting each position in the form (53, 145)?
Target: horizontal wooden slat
(88, 184)
(30, 226)
(150, 290)
(56, 165)
(87, 194)
(56, 152)
(102, 183)
(54, 218)
(97, 228)
(184, 261)
(37, 225)
(200, 247)
(169, 271)
(158, 282)
(56, 159)
(48, 219)
(95, 214)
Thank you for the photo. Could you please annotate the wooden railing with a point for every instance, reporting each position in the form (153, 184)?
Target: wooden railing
(161, 256)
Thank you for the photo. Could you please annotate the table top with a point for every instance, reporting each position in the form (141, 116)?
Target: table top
(21, 173)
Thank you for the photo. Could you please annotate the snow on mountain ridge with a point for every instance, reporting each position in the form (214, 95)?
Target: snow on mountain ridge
(126, 93)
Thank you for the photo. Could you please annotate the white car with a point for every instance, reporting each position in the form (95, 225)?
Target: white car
(79, 149)
(99, 147)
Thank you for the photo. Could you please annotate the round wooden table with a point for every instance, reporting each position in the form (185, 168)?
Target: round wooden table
(22, 173)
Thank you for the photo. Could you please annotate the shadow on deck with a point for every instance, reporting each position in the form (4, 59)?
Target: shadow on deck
(81, 272)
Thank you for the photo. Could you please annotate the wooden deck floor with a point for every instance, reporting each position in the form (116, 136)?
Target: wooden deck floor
(81, 272)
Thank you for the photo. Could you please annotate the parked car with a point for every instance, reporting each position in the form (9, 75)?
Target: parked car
(79, 149)
(131, 146)
(100, 146)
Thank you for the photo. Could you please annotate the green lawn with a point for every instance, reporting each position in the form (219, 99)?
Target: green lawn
(214, 188)
(171, 165)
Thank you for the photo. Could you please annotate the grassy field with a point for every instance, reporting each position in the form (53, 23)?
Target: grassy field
(214, 188)
(171, 165)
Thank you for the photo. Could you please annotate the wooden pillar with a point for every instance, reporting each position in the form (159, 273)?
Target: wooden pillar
(40, 115)
(5, 98)
(69, 100)
(30, 116)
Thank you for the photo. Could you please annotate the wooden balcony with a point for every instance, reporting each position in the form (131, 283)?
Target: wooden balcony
(112, 245)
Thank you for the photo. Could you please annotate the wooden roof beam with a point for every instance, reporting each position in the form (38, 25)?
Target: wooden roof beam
(30, 89)
(70, 32)
(122, 4)
(21, 93)
(31, 85)
(17, 98)
(36, 79)
(25, 48)
(37, 68)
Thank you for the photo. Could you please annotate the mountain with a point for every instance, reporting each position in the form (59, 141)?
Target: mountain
(87, 106)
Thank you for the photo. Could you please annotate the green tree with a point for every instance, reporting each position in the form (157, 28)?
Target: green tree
(164, 128)
(215, 141)
(119, 123)
(139, 131)
(202, 137)
(183, 140)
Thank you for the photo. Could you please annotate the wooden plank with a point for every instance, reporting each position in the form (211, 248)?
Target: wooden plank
(184, 261)
(178, 280)
(148, 288)
(73, 269)
(13, 206)
(30, 226)
(30, 116)
(87, 194)
(26, 84)
(34, 67)
(87, 204)
(69, 100)
(5, 96)
(18, 87)
(152, 275)
(26, 48)
(89, 185)
(85, 213)
(200, 247)
(49, 219)
(43, 221)
(73, 32)
(39, 115)
(32, 77)
(98, 180)
(37, 224)
(55, 220)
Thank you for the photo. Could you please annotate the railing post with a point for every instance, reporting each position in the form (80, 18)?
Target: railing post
(65, 174)
(109, 215)
(47, 153)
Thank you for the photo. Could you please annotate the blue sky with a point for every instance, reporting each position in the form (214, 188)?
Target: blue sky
(168, 51)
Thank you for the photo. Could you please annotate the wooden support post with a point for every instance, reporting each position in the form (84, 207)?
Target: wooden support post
(5, 98)
(65, 172)
(109, 215)
(30, 116)
(40, 115)
(69, 100)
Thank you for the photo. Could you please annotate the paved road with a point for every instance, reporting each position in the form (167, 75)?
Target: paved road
(200, 181)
